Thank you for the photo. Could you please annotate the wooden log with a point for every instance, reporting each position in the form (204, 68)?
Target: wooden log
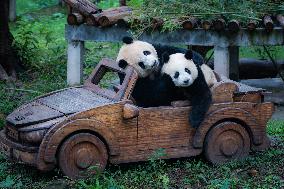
(206, 24)
(157, 23)
(123, 22)
(190, 23)
(93, 19)
(85, 7)
(250, 68)
(108, 20)
(75, 19)
(280, 19)
(234, 26)
(252, 24)
(219, 24)
(268, 23)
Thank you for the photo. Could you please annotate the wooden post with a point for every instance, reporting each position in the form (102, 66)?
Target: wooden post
(12, 10)
(234, 63)
(75, 62)
(221, 60)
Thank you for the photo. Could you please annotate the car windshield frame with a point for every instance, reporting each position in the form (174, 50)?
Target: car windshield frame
(124, 89)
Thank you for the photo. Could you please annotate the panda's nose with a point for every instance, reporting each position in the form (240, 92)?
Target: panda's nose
(185, 81)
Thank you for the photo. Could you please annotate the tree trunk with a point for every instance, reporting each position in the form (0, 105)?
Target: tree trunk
(8, 57)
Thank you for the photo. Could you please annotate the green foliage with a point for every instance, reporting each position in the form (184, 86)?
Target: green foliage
(175, 12)
(24, 6)
(107, 4)
(275, 127)
(10, 183)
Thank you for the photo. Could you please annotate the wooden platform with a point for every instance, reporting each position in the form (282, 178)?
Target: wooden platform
(226, 44)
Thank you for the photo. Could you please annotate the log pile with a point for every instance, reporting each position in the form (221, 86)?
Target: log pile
(83, 11)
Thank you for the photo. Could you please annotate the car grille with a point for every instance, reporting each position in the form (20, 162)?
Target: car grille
(12, 133)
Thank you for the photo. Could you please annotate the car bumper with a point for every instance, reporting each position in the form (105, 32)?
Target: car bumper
(18, 152)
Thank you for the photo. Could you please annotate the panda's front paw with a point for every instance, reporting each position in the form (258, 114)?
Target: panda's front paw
(194, 123)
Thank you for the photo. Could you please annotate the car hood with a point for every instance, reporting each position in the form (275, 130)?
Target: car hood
(54, 105)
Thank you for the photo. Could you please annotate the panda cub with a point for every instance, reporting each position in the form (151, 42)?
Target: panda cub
(192, 81)
(150, 89)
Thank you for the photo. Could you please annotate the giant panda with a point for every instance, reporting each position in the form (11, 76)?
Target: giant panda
(192, 81)
(150, 89)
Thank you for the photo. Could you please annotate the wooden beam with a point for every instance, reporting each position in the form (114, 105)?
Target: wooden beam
(198, 36)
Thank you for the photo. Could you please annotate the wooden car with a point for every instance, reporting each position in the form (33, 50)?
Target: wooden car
(81, 129)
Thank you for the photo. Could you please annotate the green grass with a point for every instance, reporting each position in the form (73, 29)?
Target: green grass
(25, 6)
(46, 71)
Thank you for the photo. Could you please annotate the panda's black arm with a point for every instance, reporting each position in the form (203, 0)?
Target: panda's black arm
(201, 99)
(154, 92)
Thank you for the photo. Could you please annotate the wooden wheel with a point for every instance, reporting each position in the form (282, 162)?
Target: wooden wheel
(81, 155)
(225, 142)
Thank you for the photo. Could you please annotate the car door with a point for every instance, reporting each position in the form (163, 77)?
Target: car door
(167, 128)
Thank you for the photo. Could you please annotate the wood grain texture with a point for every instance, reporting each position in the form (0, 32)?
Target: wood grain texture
(190, 23)
(206, 24)
(81, 155)
(226, 141)
(268, 23)
(75, 19)
(85, 7)
(108, 17)
(234, 26)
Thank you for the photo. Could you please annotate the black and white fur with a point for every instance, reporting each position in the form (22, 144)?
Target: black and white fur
(151, 89)
(188, 77)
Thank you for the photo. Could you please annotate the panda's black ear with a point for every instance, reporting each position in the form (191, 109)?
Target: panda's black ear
(122, 63)
(188, 55)
(165, 57)
(127, 40)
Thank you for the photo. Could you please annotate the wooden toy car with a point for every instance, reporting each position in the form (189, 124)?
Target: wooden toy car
(83, 127)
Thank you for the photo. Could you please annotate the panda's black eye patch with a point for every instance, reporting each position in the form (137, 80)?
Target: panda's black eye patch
(187, 70)
(142, 65)
(146, 53)
(176, 75)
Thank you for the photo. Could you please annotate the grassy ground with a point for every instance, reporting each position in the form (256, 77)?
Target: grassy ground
(39, 32)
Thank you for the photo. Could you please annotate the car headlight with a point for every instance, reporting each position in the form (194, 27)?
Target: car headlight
(34, 134)
(34, 137)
